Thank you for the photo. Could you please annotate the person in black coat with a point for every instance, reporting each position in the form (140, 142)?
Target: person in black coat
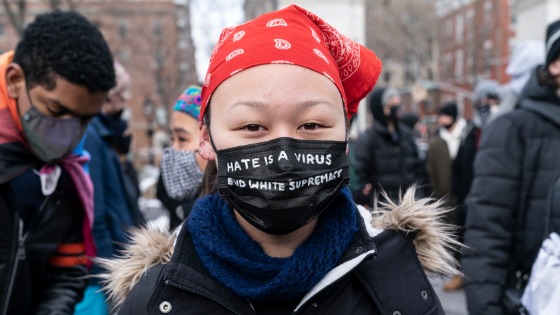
(514, 171)
(386, 156)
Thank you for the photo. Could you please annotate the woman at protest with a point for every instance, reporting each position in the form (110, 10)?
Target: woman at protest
(282, 234)
(182, 169)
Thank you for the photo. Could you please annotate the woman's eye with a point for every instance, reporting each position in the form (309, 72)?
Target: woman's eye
(181, 139)
(252, 127)
(310, 126)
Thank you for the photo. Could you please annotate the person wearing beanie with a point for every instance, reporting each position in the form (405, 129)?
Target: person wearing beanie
(514, 171)
(115, 210)
(281, 233)
(486, 102)
(386, 157)
(181, 168)
(442, 151)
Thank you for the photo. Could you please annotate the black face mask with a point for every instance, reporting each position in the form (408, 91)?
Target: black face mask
(448, 126)
(281, 185)
(117, 127)
(394, 114)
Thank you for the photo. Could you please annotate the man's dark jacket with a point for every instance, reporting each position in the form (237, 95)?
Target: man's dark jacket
(113, 212)
(516, 165)
(41, 245)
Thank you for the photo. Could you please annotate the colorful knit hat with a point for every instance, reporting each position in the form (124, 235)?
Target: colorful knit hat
(190, 101)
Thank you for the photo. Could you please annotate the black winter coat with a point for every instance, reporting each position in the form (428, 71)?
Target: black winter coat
(381, 275)
(389, 164)
(40, 241)
(514, 172)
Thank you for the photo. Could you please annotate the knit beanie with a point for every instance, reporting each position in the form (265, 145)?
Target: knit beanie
(488, 89)
(388, 94)
(449, 109)
(552, 42)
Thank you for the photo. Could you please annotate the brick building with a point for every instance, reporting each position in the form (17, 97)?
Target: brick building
(474, 44)
(152, 40)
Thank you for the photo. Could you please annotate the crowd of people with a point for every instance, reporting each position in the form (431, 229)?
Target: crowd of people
(274, 208)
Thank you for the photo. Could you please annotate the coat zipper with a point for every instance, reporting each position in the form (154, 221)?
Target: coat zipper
(188, 289)
(20, 255)
(20, 251)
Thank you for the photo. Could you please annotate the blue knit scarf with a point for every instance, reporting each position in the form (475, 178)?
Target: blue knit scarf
(238, 262)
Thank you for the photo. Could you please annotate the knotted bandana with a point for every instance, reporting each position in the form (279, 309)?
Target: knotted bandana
(294, 36)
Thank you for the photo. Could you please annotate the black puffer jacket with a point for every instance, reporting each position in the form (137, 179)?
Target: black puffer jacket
(388, 163)
(515, 168)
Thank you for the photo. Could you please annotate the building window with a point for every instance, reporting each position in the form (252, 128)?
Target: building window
(488, 12)
(447, 63)
(513, 11)
(459, 28)
(158, 29)
(470, 25)
(459, 63)
(448, 31)
(122, 26)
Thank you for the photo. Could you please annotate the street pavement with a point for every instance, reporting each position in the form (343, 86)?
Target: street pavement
(454, 302)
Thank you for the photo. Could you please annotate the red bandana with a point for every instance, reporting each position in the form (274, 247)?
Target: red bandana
(294, 36)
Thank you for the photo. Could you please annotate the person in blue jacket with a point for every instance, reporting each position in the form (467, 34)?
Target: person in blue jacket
(114, 213)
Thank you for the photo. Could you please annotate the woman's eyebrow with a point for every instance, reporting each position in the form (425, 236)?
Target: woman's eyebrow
(180, 129)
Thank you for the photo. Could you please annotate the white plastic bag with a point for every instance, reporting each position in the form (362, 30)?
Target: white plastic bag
(542, 294)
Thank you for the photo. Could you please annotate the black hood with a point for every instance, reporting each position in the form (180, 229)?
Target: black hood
(540, 98)
(376, 106)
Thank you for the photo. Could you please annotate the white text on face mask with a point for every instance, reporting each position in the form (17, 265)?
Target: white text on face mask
(303, 158)
(290, 185)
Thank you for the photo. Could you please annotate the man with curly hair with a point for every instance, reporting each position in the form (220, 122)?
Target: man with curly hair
(50, 87)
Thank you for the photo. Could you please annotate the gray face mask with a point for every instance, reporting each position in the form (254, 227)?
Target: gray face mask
(50, 138)
(180, 173)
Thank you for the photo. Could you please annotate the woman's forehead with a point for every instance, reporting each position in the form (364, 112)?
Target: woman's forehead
(277, 83)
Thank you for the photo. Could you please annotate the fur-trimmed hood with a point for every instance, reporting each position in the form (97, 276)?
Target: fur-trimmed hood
(433, 239)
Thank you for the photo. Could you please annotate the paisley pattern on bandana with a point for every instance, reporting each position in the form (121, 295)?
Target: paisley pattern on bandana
(294, 36)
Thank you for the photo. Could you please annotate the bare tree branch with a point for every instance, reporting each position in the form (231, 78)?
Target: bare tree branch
(16, 16)
(254, 8)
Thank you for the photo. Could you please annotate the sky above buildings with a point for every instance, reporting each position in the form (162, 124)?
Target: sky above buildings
(208, 18)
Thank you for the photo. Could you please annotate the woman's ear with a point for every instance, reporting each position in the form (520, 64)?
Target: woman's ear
(205, 149)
